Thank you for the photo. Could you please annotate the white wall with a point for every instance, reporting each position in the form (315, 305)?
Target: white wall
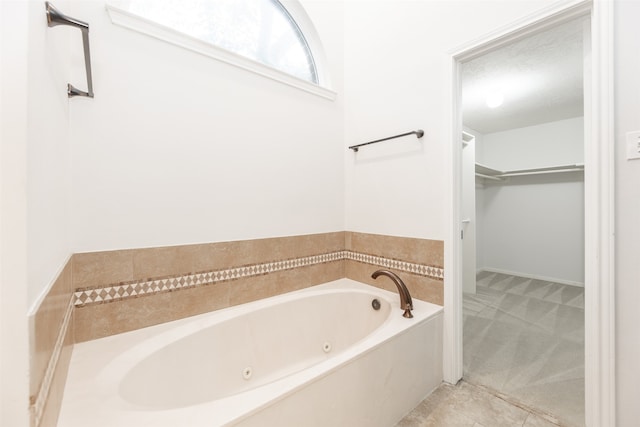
(534, 225)
(547, 144)
(627, 205)
(51, 51)
(180, 148)
(14, 350)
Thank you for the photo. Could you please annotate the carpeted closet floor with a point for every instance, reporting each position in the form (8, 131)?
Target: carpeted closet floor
(524, 338)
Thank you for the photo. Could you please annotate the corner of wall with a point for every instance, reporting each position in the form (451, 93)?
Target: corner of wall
(51, 343)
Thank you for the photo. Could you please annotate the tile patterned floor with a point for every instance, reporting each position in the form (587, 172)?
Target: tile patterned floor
(468, 405)
(523, 359)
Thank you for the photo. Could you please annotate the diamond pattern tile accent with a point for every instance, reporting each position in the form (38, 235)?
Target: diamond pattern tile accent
(115, 292)
(420, 269)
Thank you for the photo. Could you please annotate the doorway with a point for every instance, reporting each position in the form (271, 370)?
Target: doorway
(523, 221)
(598, 168)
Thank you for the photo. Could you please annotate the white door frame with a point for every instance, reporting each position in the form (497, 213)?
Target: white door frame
(599, 200)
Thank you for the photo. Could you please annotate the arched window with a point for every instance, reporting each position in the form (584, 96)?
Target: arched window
(261, 30)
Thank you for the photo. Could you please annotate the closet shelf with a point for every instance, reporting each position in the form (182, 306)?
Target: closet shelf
(487, 172)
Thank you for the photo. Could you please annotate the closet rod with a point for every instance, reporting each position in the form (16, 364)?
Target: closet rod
(419, 133)
(54, 18)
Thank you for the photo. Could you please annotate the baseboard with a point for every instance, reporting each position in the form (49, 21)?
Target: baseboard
(531, 276)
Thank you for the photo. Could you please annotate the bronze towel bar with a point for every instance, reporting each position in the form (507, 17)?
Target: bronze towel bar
(419, 133)
(55, 17)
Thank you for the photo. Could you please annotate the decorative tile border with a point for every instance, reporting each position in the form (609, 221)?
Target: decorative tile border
(120, 291)
(40, 399)
(168, 284)
(409, 267)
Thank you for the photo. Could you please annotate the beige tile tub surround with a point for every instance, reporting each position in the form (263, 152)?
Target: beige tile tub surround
(51, 342)
(101, 320)
(119, 291)
(419, 251)
(97, 269)
(144, 287)
(426, 285)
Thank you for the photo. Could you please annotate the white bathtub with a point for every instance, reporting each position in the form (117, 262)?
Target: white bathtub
(321, 356)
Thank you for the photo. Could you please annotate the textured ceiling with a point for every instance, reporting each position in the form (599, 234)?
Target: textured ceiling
(540, 77)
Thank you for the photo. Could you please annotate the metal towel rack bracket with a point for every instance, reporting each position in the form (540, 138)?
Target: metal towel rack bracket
(54, 18)
(419, 133)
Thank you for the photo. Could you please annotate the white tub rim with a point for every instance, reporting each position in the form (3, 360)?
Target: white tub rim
(109, 377)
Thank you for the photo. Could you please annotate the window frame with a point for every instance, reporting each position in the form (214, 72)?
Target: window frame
(122, 17)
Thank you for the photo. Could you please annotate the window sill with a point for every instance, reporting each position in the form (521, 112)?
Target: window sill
(133, 22)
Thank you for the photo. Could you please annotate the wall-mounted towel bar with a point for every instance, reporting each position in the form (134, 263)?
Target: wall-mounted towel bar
(419, 133)
(54, 18)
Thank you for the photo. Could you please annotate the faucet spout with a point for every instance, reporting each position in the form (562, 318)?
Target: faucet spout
(405, 297)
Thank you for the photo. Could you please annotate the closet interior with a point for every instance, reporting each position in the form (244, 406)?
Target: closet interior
(523, 223)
